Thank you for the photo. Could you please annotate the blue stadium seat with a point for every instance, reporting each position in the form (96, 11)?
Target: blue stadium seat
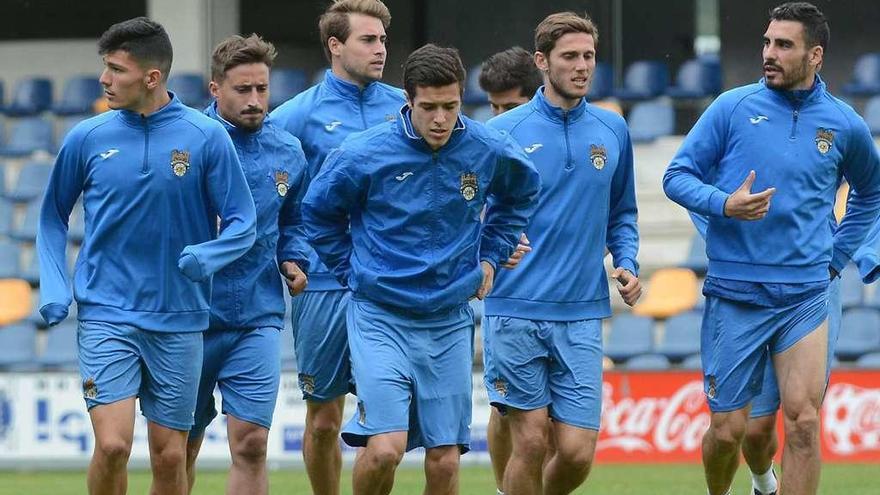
(7, 210)
(866, 76)
(682, 336)
(10, 253)
(79, 95)
(859, 333)
(870, 361)
(696, 258)
(60, 353)
(696, 78)
(32, 96)
(27, 229)
(18, 346)
(630, 336)
(28, 135)
(65, 124)
(649, 120)
(602, 85)
(473, 93)
(284, 84)
(852, 289)
(288, 351)
(648, 362)
(31, 270)
(318, 76)
(32, 180)
(692, 362)
(190, 88)
(872, 115)
(644, 79)
(481, 113)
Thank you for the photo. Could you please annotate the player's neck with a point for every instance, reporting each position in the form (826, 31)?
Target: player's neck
(153, 102)
(343, 74)
(557, 100)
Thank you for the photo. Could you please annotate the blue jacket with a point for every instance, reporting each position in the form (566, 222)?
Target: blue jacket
(322, 117)
(588, 202)
(248, 293)
(416, 239)
(152, 190)
(801, 147)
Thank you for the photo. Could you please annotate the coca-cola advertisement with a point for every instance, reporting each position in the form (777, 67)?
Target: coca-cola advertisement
(661, 417)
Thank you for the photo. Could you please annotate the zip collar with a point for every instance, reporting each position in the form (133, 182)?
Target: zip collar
(172, 111)
(348, 90)
(236, 133)
(798, 97)
(555, 113)
(405, 124)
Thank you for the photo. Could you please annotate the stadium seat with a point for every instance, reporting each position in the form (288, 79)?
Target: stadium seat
(190, 88)
(692, 362)
(870, 360)
(31, 271)
(32, 180)
(682, 336)
(481, 113)
(18, 345)
(859, 333)
(473, 93)
(79, 95)
(696, 78)
(872, 115)
(644, 79)
(27, 229)
(648, 362)
(65, 124)
(15, 300)
(866, 76)
(630, 336)
(696, 258)
(670, 291)
(649, 120)
(852, 288)
(32, 96)
(28, 135)
(10, 253)
(7, 209)
(284, 84)
(602, 84)
(60, 353)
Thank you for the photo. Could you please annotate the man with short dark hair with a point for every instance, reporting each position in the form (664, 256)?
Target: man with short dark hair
(412, 192)
(770, 268)
(509, 78)
(241, 347)
(154, 177)
(350, 99)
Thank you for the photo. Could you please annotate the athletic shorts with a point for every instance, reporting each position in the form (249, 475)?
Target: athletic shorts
(321, 344)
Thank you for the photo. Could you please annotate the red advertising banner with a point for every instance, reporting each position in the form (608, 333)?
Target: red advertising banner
(661, 417)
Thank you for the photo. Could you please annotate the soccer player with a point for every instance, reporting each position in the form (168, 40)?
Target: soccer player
(241, 347)
(543, 324)
(350, 99)
(154, 177)
(510, 78)
(769, 268)
(412, 192)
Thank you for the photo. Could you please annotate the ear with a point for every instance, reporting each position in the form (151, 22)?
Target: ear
(817, 54)
(541, 62)
(214, 88)
(153, 78)
(334, 45)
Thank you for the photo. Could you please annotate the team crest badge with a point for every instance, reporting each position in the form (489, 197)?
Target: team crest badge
(307, 383)
(390, 117)
(468, 185)
(712, 392)
(598, 156)
(90, 389)
(824, 139)
(362, 413)
(500, 387)
(281, 182)
(179, 162)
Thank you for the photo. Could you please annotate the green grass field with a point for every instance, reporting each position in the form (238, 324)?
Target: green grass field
(605, 479)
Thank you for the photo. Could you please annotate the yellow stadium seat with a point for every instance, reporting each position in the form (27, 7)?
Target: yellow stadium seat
(670, 291)
(15, 300)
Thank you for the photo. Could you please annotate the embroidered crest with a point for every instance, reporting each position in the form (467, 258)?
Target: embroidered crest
(307, 383)
(469, 185)
(90, 389)
(598, 156)
(712, 391)
(179, 162)
(362, 413)
(390, 117)
(500, 387)
(281, 182)
(824, 140)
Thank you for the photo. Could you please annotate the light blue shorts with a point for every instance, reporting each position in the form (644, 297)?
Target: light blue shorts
(321, 344)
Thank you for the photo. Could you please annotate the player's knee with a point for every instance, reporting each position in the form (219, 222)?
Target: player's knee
(324, 429)
(383, 457)
(579, 458)
(250, 448)
(530, 445)
(113, 450)
(757, 439)
(728, 435)
(167, 459)
(443, 465)
(802, 428)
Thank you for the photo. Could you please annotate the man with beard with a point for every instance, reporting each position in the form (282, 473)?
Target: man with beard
(543, 324)
(241, 346)
(767, 291)
(350, 99)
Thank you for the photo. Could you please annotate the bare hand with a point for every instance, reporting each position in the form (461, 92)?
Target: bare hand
(744, 205)
(488, 280)
(522, 249)
(629, 287)
(295, 278)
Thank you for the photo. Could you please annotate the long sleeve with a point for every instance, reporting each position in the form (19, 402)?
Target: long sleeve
(231, 198)
(65, 186)
(686, 179)
(513, 198)
(292, 244)
(623, 232)
(326, 207)
(861, 167)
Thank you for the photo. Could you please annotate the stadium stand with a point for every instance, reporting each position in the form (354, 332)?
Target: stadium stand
(32, 96)
(681, 337)
(64, 125)
(28, 135)
(31, 270)
(15, 303)
(851, 287)
(872, 115)
(10, 253)
(2, 97)
(26, 230)
(865, 77)
(79, 94)
(602, 84)
(697, 261)
(18, 344)
(473, 93)
(859, 333)
(644, 79)
(696, 78)
(31, 182)
(60, 353)
(285, 84)
(190, 88)
(630, 336)
(648, 362)
(670, 291)
(692, 362)
(649, 120)
(870, 360)
(7, 210)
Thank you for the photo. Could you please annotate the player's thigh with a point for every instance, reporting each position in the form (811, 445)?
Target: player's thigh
(576, 372)
(516, 369)
(250, 376)
(172, 368)
(801, 370)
